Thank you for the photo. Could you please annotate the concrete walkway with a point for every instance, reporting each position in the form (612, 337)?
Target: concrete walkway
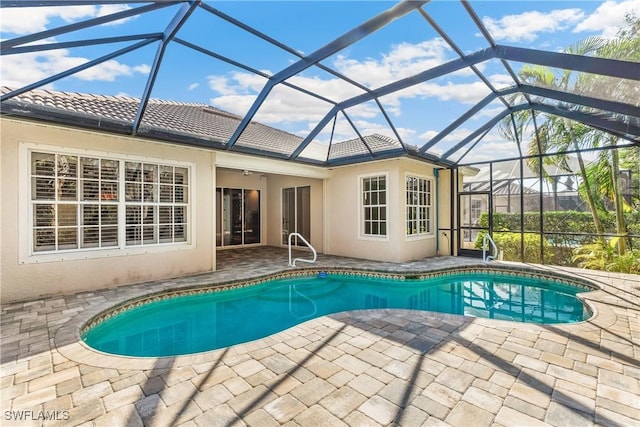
(360, 368)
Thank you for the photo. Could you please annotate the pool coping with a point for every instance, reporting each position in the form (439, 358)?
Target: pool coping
(68, 339)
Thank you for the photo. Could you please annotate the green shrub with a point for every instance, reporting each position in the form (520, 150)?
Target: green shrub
(574, 250)
(560, 221)
(603, 256)
(627, 263)
(509, 245)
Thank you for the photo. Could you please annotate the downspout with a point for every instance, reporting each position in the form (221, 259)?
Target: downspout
(436, 173)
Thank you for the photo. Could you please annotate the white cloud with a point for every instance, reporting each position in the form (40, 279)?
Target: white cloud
(236, 83)
(445, 143)
(236, 104)
(501, 81)
(489, 150)
(527, 26)
(343, 131)
(26, 20)
(491, 147)
(193, 86)
(235, 92)
(142, 68)
(222, 85)
(459, 133)
(428, 135)
(488, 112)
(609, 17)
(366, 110)
(20, 70)
(20, 20)
(283, 105)
(466, 93)
(109, 71)
(332, 88)
(403, 60)
(454, 136)
(108, 9)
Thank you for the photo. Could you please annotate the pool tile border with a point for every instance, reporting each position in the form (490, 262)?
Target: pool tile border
(310, 272)
(74, 329)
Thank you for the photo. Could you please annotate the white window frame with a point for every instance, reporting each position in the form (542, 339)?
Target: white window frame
(361, 207)
(429, 206)
(27, 254)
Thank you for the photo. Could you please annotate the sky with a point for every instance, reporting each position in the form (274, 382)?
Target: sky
(403, 48)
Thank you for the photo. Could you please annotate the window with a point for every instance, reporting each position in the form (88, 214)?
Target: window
(156, 203)
(84, 202)
(374, 206)
(419, 213)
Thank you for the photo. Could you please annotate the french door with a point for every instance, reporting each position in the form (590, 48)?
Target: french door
(238, 216)
(296, 214)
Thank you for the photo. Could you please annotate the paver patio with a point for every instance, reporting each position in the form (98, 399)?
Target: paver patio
(370, 367)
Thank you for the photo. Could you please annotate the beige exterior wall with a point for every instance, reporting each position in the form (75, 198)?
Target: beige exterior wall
(24, 276)
(344, 235)
(335, 210)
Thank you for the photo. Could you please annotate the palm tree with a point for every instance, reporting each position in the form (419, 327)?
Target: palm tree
(555, 134)
(626, 47)
(559, 134)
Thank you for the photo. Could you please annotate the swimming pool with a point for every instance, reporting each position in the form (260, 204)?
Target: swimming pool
(170, 324)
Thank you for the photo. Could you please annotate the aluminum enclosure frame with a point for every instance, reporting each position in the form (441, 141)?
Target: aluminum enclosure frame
(614, 116)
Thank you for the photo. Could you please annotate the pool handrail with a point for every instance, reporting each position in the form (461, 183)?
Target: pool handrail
(485, 257)
(310, 261)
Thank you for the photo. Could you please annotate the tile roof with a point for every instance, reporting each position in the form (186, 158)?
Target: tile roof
(196, 123)
(355, 147)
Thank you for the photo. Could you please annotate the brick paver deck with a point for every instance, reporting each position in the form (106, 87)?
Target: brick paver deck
(360, 368)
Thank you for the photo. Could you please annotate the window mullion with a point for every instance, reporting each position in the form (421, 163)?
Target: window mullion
(56, 201)
(122, 208)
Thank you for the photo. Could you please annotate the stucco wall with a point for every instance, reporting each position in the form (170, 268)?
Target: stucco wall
(343, 225)
(22, 278)
(411, 248)
(335, 211)
(343, 206)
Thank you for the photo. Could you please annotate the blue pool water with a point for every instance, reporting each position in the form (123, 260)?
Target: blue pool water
(196, 323)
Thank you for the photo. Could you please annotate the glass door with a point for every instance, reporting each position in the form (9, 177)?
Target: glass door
(296, 214)
(471, 207)
(251, 224)
(233, 228)
(238, 216)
